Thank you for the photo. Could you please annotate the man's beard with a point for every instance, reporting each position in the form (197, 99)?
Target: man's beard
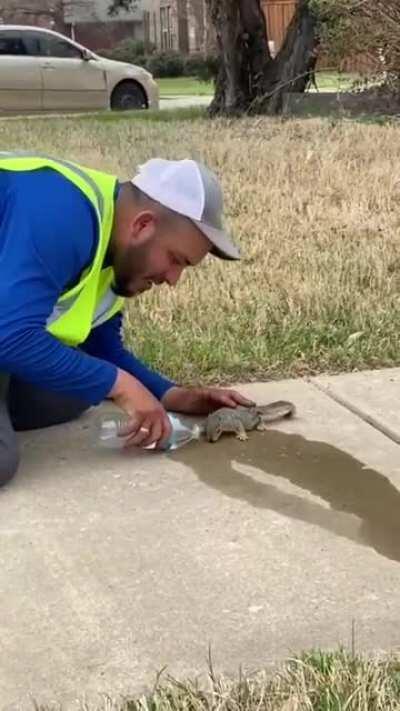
(130, 268)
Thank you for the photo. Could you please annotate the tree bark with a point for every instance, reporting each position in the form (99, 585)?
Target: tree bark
(249, 79)
(232, 87)
(257, 49)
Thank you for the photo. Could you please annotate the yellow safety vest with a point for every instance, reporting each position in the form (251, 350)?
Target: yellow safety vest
(91, 301)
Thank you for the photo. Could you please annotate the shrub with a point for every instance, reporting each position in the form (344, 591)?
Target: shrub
(163, 64)
(128, 50)
(201, 67)
(166, 64)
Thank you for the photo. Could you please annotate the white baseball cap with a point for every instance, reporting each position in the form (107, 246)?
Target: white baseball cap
(190, 189)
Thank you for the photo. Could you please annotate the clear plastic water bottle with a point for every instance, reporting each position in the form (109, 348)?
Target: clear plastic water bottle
(110, 432)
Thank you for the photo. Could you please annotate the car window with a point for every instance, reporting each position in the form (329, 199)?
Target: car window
(15, 42)
(56, 47)
(31, 41)
(11, 43)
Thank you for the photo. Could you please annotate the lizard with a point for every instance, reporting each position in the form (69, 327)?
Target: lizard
(244, 419)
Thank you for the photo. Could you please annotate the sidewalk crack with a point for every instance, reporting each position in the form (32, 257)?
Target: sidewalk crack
(367, 417)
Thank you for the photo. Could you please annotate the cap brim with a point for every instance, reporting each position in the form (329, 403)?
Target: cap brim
(223, 247)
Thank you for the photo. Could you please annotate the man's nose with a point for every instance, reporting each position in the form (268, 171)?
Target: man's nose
(173, 275)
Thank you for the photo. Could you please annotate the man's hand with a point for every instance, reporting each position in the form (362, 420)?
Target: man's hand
(149, 422)
(202, 401)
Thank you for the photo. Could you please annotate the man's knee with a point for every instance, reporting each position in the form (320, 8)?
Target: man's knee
(9, 462)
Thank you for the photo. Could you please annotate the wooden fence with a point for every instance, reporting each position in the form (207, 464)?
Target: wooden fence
(278, 14)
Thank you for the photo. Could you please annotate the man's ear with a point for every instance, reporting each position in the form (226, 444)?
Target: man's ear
(143, 227)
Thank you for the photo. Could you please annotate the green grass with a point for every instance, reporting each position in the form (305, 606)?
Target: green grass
(315, 681)
(190, 86)
(314, 206)
(335, 81)
(184, 86)
(190, 113)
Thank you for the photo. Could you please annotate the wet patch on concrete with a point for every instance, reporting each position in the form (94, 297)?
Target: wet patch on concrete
(362, 504)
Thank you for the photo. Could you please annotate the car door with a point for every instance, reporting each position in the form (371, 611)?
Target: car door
(20, 73)
(70, 81)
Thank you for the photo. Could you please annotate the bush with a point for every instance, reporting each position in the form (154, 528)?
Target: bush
(194, 65)
(128, 50)
(163, 64)
(371, 29)
(201, 67)
(166, 64)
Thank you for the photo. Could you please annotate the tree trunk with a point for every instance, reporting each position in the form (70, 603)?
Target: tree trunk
(232, 87)
(249, 79)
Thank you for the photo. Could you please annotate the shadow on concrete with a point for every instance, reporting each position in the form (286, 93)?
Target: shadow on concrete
(364, 506)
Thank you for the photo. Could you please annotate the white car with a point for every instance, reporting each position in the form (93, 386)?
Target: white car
(41, 70)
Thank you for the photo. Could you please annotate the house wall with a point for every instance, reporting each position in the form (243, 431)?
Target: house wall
(89, 23)
(179, 25)
(86, 21)
(102, 35)
(31, 12)
(164, 24)
(190, 29)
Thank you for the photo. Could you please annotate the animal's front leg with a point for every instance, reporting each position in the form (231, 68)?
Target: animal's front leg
(240, 431)
(262, 426)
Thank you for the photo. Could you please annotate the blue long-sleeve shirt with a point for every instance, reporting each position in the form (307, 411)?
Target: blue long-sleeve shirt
(48, 236)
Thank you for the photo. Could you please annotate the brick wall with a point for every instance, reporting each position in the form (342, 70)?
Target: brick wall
(105, 35)
(32, 12)
(49, 14)
(180, 25)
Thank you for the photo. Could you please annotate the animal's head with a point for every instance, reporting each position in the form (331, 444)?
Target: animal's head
(216, 433)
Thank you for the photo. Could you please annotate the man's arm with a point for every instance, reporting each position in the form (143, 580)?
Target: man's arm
(47, 236)
(105, 342)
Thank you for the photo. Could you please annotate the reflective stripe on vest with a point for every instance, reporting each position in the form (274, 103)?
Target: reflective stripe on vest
(100, 316)
(91, 301)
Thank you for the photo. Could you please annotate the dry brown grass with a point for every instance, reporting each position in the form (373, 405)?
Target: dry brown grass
(315, 207)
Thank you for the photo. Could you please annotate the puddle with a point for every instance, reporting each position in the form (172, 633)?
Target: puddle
(348, 487)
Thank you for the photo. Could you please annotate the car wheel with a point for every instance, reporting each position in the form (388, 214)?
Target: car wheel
(127, 97)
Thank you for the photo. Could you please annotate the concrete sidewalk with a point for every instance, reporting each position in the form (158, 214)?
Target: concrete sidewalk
(114, 565)
(184, 102)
